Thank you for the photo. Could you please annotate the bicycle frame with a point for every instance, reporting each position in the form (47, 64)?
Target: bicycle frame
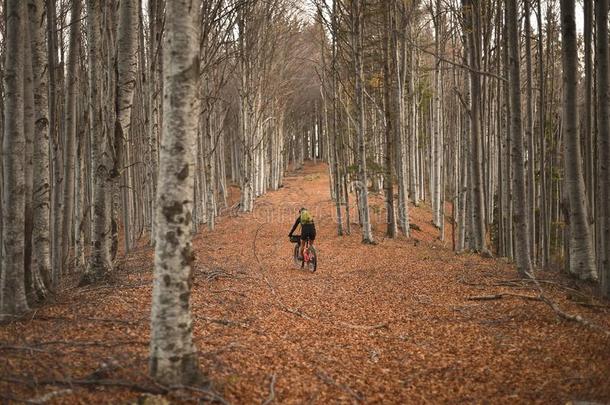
(306, 256)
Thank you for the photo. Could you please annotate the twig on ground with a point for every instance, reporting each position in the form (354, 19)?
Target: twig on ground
(365, 327)
(328, 380)
(281, 304)
(271, 396)
(49, 396)
(21, 348)
(210, 395)
(226, 322)
(85, 343)
(90, 319)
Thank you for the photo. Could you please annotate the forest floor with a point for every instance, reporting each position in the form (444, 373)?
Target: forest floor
(390, 323)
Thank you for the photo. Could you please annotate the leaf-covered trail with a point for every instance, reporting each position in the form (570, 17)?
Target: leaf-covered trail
(389, 323)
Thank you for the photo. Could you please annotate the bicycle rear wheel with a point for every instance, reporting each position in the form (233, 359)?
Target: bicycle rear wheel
(313, 259)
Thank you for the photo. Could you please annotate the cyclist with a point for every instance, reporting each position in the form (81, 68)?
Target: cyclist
(308, 229)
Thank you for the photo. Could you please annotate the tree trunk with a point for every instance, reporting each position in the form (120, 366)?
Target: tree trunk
(56, 209)
(603, 134)
(357, 38)
(529, 129)
(70, 137)
(173, 357)
(12, 287)
(520, 217)
(390, 115)
(28, 130)
(41, 248)
(582, 259)
(100, 262)
(126, 80)
(477, 200)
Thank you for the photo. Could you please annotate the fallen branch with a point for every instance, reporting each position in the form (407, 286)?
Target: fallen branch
(502, 295)
(271, 396)
(365, 327)
(565, 315)
(156, 389)
(86, 382)
(21, 348)
(94, 344)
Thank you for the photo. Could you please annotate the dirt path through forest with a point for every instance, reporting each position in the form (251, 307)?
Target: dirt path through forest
(389, 323)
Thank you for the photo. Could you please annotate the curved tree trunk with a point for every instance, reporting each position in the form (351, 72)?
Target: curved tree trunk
(173, 357)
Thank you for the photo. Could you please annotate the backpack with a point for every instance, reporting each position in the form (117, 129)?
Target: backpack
(306, 217)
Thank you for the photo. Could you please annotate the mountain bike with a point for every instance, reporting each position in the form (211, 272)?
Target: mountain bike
(310, 257)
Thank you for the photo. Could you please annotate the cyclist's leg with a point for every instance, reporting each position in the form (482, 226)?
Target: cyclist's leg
(301, 248)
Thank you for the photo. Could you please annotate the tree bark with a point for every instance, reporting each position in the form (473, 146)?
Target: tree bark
(102, 131)
(126, 81)
(390, 123)
(70, 133)
(357, 37)
(520, 217)
(173, 357)
(603, 134)
(477, 200)
(582, 259)
(41, 197)
(12, 286)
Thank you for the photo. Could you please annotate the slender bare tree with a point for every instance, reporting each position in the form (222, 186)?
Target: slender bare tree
(520, 217)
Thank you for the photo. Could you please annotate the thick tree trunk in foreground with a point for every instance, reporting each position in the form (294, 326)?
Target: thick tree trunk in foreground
(582, 259)
(12, 286)
(41, 197)
(520, 222)
(173, 357)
